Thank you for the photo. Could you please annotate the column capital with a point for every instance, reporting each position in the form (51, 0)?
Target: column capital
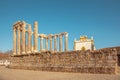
(55, 37)
(18, 28)
(60, 36)
(66, 35)
(14, 29)
(23, 24)
(50, 38)
(41, 36)
(46, 38)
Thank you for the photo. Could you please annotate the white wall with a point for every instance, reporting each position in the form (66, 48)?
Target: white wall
(87, 45)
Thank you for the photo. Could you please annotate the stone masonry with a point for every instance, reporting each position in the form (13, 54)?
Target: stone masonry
(101, 61)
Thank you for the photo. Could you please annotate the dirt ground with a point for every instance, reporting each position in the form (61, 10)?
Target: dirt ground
(17, 74)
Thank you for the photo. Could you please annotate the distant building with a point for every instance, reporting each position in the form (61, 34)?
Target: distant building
(84, 43)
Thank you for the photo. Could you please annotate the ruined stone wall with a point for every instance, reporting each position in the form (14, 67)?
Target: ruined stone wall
(102, 61)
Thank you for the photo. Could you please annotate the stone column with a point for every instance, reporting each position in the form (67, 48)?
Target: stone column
(41, 43)
(35, 36)
(46, 44)
(18, 41)
(60, 47)
(55, 44)
(23, 37)
(66, 42)
(51, 43)
(14, 41)
(29, 39)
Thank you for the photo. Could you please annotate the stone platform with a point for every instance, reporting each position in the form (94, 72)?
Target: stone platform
(100, 61)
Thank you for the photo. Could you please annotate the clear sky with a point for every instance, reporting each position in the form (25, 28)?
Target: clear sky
(97, 18)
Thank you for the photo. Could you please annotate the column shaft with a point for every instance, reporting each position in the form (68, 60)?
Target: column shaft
(46, 44)
(18, 42)
(23, 38)
(14, 41)
(66, 42)
(55, 44)
(50, 43)
(29, 39)
(60, 47)
(41, 43)
(35, 37)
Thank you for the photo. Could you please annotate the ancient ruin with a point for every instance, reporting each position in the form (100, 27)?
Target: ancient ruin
(21, 46)
(25, 56)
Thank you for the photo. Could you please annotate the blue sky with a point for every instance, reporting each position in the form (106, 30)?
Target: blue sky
(97, 18)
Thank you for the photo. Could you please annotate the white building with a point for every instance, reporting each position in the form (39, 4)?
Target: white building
(84, 43)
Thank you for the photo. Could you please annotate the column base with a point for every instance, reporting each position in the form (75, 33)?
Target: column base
(55, 50)
(60, 50)
(66, 50)
(23, 52)
(35, 50)
(29, 52)
(18, 53)
(14, 53)
(42, 51)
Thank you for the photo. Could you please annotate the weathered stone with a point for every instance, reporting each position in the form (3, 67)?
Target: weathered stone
(25, 47)
(74, 61)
